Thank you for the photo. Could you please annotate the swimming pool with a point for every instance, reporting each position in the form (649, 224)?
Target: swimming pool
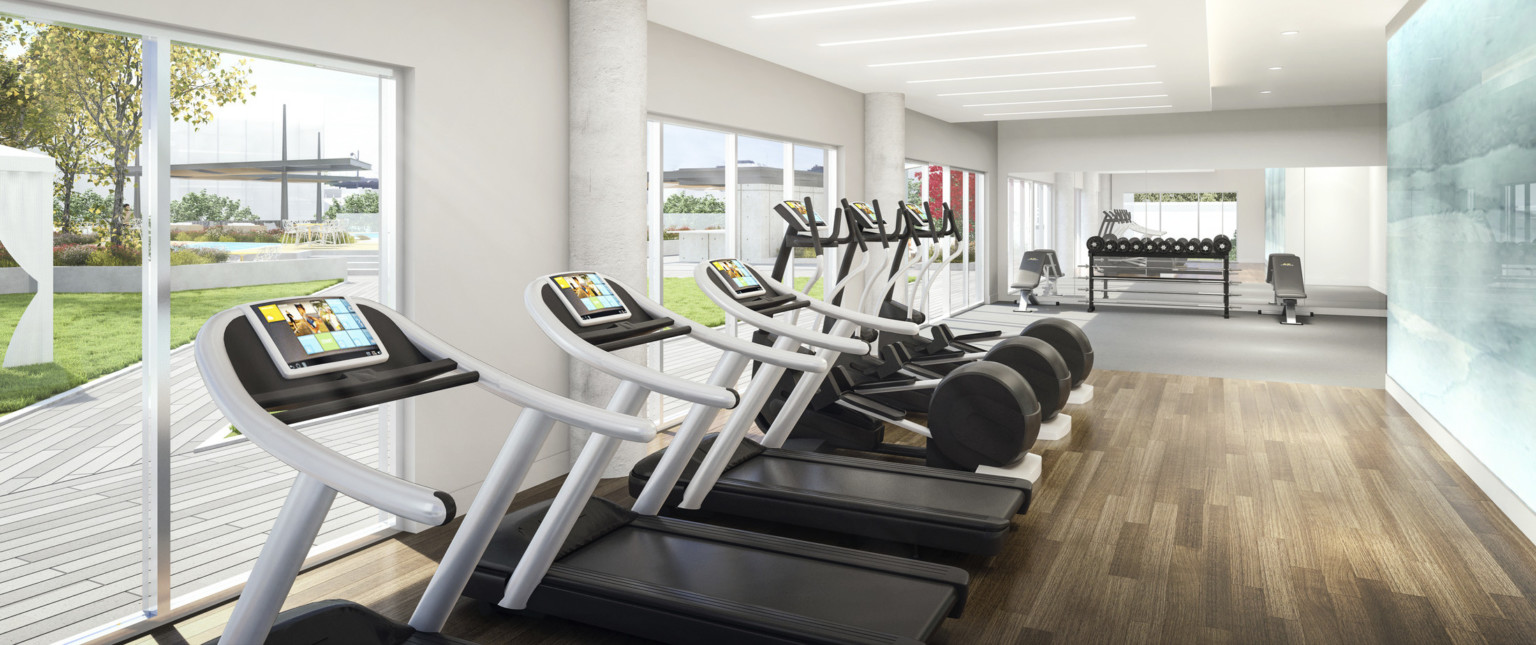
(232, 247)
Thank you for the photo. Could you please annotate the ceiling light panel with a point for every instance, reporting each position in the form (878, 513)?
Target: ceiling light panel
(1102, 98)
(1052, 89)
(1028, 74)
(1138, 107)
(1019, 55)
(846, 7)
(974, 32)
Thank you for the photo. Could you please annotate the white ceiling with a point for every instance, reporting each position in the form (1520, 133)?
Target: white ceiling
(1183, 55)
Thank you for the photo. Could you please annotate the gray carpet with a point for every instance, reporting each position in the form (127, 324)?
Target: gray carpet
(1348, 351)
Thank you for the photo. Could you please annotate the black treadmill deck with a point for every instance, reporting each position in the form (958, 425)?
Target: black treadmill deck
(686, 582)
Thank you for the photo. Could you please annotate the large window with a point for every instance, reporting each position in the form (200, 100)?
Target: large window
(703, 206)
(1031, 219)
(956, 286)
(1186, 215)
(125, 497)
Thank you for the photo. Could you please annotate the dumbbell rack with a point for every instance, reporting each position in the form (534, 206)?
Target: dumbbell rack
(1096, 272)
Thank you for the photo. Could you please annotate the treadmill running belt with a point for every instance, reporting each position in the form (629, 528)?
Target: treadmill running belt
(997, 504)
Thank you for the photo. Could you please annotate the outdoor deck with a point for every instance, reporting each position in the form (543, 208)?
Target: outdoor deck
(70, 494)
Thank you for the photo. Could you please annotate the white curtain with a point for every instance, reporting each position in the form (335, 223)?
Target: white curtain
(26, 232)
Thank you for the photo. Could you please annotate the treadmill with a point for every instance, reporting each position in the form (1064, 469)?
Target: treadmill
(899, 502)
(265, 371)
(592, 561)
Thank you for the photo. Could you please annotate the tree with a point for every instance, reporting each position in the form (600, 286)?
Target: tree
(203, 206)
(364, 202)
(103, 76)
(48, 122)
(685, 203)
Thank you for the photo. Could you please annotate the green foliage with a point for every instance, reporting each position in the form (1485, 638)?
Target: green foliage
(203, 206)
(86, 209)
(1185, 197)
(914, 190)
(364, 202)
(91, 255)
(99, 333)
(228, 234)
(91, 84)
(6, 261)
(685, 203)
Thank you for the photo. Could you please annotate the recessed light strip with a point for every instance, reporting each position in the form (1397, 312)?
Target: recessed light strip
(974, 32)
(1024, 74)
(1052, 89)
(1105, 98)
(846, 7)
(1139, 107)
(997, 56)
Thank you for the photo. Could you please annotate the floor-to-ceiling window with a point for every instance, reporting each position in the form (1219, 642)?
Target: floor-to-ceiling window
(712, 194)
(124, 494)
(955, 285)
(1031, 219)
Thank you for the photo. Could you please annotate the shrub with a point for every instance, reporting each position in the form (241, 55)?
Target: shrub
(198, 256)
(113, 256)
(72, 255)
(203, 206)
(364, 202)
(6, 260)
(63, 239)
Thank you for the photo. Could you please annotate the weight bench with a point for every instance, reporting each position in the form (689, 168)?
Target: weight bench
(1039, 267)
(1284, 274)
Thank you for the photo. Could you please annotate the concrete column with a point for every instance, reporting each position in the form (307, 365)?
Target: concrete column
(607, 172)
(885, 148)
(885, 161)
(1088, 226)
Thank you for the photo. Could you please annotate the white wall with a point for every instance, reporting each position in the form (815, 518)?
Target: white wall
(1335, 220)
(1352, 135)
(1248, 184)
(693, 79)
(463, 138)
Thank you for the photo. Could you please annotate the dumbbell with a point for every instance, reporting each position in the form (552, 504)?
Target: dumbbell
(1123, 245)
(1222, 245)
(1095, 244)
(1164, 246)
(1138, 245)
(1206, 247)
(1179, 246)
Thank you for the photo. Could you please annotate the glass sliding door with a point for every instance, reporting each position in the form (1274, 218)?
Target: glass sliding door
(313, 217)
(124, 494)
(71, 380)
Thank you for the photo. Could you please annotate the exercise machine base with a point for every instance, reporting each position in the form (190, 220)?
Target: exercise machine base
(1027, 469)
(1057, 428)
(1080, 395)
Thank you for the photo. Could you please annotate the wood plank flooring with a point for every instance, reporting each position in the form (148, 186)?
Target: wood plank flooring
(1181, 509)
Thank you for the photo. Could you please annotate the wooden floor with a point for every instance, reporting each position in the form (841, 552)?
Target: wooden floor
(1180, 510)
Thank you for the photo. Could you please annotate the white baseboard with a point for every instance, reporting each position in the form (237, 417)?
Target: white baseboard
(1515, 508)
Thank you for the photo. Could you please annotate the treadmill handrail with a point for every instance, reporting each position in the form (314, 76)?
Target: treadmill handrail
(338, 472)
(607, 362)
(728, 343)
(842, 345)
(861, 319)
(515, 390)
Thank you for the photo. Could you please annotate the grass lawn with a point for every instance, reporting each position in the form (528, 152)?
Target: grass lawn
(99, 333)
(684, 296)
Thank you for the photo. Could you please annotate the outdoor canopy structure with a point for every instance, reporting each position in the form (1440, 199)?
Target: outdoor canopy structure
(26, 231)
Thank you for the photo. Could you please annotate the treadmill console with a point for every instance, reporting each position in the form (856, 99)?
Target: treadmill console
(921, 222)
(866, 217)
(315, 335)
(589, 298)
(737, 277)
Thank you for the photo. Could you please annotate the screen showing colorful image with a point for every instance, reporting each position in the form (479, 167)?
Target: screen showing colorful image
(867, 214)
(922, 218)
(312, 331)
(738, 276)
(799, 209)
(589, 295)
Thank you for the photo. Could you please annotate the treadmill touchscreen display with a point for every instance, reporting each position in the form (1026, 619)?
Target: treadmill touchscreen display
(741, 280)
(590, 298)
(315, 335)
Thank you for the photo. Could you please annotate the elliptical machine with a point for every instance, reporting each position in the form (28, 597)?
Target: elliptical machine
(850, 409)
